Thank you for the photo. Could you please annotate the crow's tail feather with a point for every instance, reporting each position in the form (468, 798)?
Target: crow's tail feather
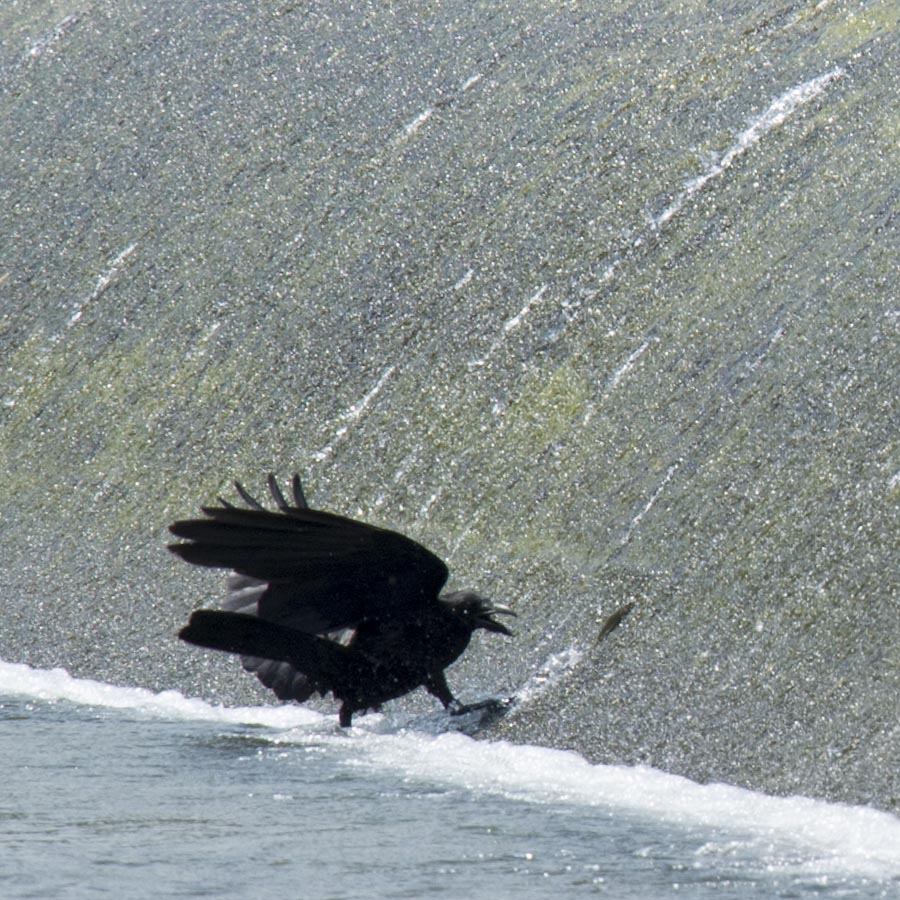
(247, 635)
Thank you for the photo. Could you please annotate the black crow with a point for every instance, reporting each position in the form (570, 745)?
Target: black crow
(318, 602)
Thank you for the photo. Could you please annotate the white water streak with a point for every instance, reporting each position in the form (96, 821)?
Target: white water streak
(426, 506)
(464, 280)
(629, 364)
(470, 82)
(509, 326)
(778, 112)
(636, 521)
(103, 283)
(774, 338)
(620, 373)
(353, 414)
(410, 129)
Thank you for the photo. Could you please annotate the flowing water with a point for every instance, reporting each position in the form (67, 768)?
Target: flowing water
(119, 791)
(596, 300)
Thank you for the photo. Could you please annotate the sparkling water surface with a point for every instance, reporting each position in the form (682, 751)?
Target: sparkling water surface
(120, 791)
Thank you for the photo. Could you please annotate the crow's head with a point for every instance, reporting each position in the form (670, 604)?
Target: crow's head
(477, 611)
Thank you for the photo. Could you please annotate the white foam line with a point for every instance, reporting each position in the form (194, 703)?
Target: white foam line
(778, 111)
(841, 838)
(352, 415)
(650, 503)
(57, 684)
(103, 282)
(509, 326)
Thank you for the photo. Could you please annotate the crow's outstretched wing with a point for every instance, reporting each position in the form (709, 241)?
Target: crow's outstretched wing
(320, 572)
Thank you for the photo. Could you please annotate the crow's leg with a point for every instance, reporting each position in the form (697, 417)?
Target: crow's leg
(438, 687)
(345, 715)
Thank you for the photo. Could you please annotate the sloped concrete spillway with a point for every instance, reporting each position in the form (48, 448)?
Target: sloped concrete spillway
(597, 301)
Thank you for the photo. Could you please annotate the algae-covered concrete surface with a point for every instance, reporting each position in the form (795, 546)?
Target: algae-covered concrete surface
(599, 301)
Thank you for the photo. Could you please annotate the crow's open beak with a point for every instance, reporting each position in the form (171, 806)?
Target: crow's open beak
(489, 624)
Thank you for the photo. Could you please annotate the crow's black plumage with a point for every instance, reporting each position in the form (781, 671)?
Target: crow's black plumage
(318, 602)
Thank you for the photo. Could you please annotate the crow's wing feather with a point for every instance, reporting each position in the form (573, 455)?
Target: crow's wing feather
(328, 665)
(323, 571)
(283, 679)
(299, 664)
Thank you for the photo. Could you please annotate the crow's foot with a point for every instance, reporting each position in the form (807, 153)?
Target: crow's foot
(492, 703)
